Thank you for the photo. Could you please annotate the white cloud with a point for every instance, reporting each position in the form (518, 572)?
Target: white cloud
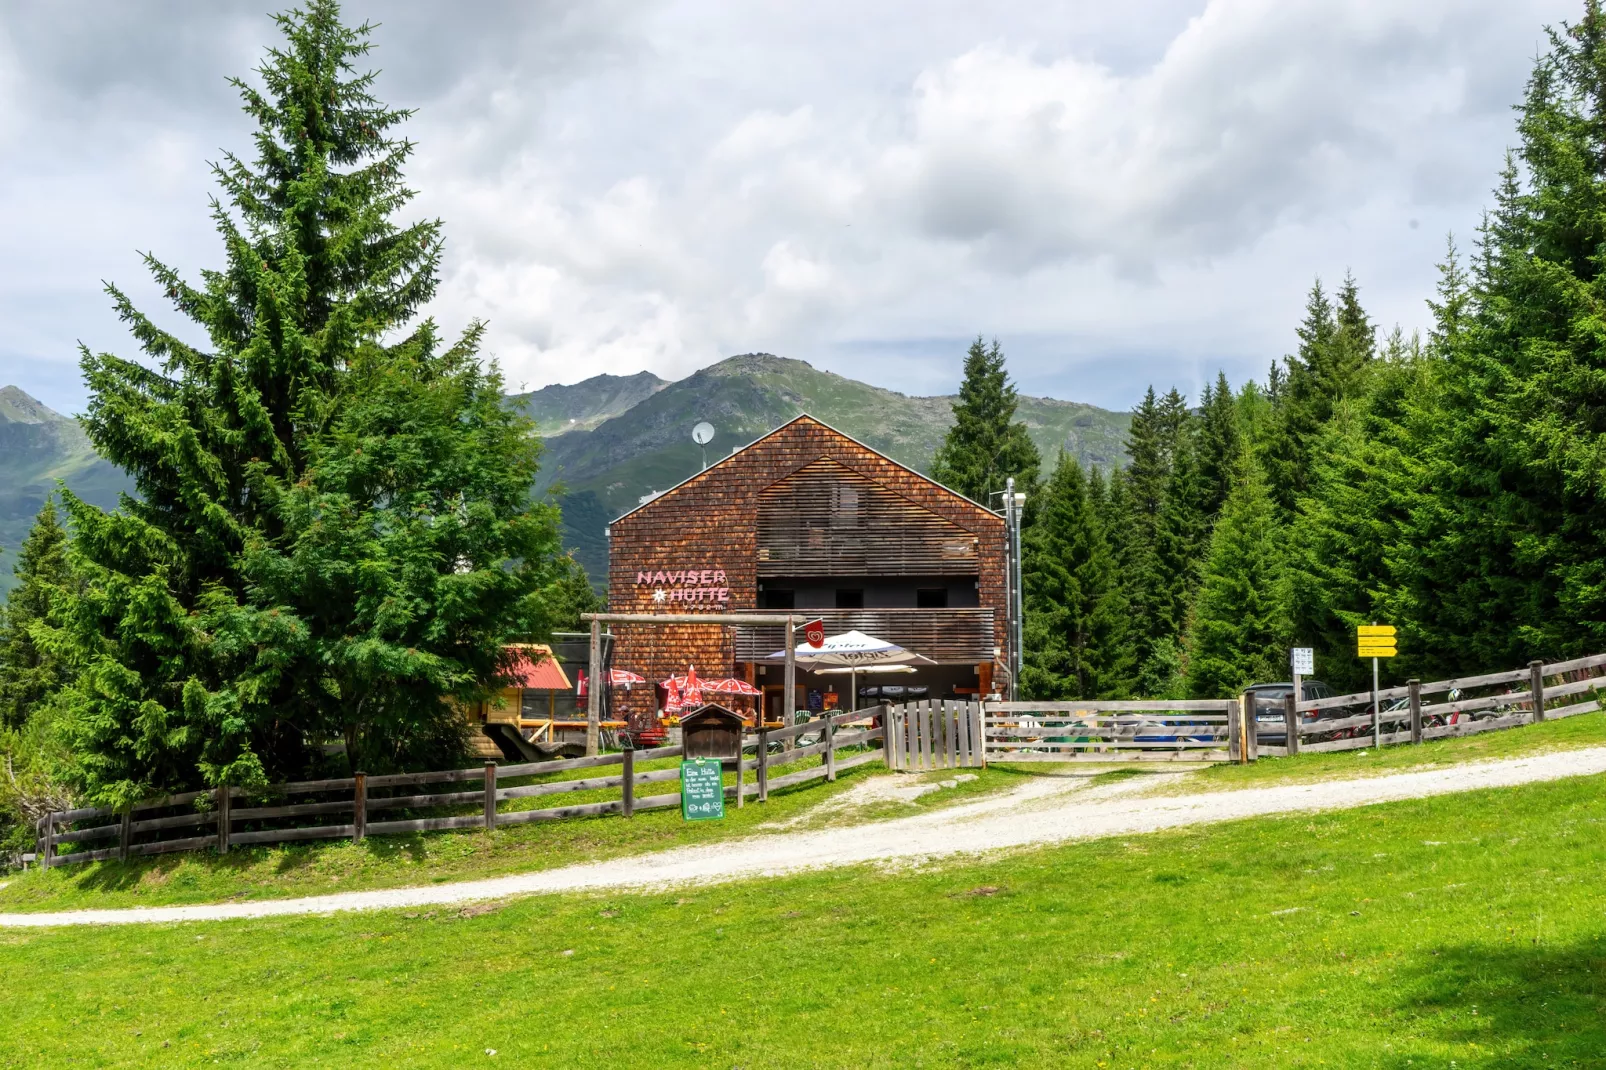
(1119, 193)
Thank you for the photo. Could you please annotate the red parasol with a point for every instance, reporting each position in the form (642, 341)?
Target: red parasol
(625, 677)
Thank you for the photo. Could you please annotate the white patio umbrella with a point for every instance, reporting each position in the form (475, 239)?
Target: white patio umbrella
(856, 652)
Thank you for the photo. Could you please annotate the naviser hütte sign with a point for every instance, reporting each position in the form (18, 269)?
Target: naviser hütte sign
(703, 585)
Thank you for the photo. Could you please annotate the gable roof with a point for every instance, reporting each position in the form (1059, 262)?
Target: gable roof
(799, 418)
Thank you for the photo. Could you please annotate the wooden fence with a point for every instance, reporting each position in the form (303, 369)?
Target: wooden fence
(1200, 730)
(934, 734)
(1311, 725)
(224, 818)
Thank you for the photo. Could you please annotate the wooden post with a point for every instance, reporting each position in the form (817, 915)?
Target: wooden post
(1235, 724)
(1251, 730)
(359, 807)
(741, 768)
(125, 833)
(594, 685)
(763, 763)
(47, 852)
(490, 796)
(1291, 719)
(789, 680)
(1536, 684)
(1414, 687)
(830, 748)
(223, 820)
(628, 781)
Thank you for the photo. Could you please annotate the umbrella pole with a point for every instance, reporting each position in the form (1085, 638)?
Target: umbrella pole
(853, 682)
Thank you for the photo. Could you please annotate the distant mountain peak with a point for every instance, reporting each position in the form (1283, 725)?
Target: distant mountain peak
(17, 406)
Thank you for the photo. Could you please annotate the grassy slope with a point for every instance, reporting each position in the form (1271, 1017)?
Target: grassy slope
(1459, 931)
(399, 861)
(38, 447)
(582, 406)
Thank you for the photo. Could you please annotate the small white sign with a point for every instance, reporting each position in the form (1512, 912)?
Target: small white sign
(1303, 659)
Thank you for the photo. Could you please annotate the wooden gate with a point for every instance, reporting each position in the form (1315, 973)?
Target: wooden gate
(934, 734)
(1197, 730)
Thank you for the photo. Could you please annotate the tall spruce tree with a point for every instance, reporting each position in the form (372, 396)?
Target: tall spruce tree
(1075, 614)
(1239, 625)
(986, 445)
(334, 530)
(1506, 558)
(29, 672)
(1220, 441)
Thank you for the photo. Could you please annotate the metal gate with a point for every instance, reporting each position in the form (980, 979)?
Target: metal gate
(934, 734)
(1196, 730)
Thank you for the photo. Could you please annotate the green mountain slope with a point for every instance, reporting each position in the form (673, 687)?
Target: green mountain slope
(38, 447)
(612, 467)
(582, 406)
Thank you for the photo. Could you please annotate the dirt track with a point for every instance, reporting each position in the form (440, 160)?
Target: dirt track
(1045, 811)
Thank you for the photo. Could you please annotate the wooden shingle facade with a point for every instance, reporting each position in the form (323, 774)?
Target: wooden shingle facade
(810, 520)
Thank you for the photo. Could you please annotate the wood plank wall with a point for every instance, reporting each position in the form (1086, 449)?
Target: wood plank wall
(710, 524)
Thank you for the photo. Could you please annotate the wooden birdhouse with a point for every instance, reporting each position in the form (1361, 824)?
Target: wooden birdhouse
(712, 731)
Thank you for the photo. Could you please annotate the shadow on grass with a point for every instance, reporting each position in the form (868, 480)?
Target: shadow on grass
(1536, 1005)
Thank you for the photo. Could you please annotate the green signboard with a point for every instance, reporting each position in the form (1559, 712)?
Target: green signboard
(702, 789)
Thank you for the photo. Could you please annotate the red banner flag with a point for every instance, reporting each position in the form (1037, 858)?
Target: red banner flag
(814, 633)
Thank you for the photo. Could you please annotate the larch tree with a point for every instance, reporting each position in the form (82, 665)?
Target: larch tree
(334, 531)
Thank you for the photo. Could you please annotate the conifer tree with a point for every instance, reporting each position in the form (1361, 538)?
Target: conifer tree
(1075, 614)
(334, 531)
(1220, 444)
(1502, 561)
(29, 674)
(1239, 624)
(986, 445)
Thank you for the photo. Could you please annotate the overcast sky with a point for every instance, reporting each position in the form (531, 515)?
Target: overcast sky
(1122, 193)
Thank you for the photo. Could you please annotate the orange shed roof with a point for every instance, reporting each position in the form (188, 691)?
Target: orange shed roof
(535, 668)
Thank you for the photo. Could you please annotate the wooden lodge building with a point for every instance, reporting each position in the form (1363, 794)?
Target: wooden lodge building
(808, 520)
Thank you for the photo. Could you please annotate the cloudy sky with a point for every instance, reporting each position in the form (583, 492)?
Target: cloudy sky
(1121, 193)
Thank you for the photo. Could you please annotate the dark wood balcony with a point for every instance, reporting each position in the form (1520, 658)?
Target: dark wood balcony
(948, 636)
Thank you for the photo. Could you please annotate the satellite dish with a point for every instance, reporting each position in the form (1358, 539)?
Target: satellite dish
(703, 433)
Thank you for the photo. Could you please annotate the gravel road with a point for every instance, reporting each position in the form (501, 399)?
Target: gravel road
(1047, 810)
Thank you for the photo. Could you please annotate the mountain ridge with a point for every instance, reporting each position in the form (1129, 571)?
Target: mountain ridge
(610, 441)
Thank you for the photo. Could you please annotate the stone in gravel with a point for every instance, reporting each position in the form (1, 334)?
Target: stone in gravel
(949, 783)
(963, 778)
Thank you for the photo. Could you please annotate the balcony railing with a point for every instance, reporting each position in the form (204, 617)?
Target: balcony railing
(951, 636)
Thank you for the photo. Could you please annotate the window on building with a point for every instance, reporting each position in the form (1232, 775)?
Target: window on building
(931, 598)
(850, 598)
(533, 705)
(774, 599)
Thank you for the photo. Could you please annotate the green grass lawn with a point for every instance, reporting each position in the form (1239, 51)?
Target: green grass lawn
(397, 861)
(1463, 931)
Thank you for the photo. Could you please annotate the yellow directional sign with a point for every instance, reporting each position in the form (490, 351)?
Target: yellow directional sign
(1375, 631)
(1377, 651)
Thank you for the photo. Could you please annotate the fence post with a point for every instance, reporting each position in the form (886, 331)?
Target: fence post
(1414, 690)
(741, 768)
(1291, 719)
(1235, 733)
(628, 781)
(978, 733)
(223, 820)
(1251, 729)
(490, 796)
(125, 833)
(830, 748)
(763, 765)
(1536, 684)
(359, 807)
(47, 852)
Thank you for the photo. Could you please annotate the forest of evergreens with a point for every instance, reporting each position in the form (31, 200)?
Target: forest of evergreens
(1452, 485)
